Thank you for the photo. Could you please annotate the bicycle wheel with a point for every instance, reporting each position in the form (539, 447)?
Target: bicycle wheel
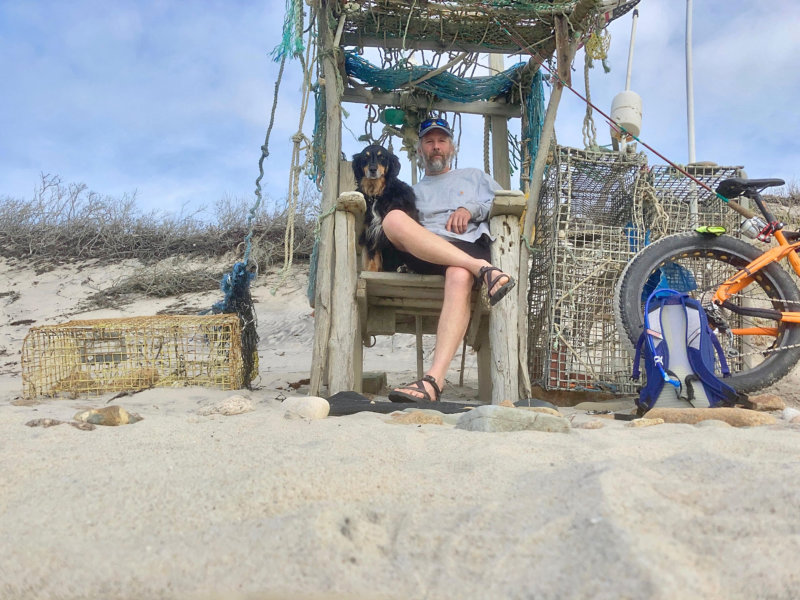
(698, 264)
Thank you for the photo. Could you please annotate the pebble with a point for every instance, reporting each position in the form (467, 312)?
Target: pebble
(593, 424)
(232, 405)
(767, 402)
(541, 409)
(416, 417)
(713, 423)
(108, 415)
(307, 407)
(644, 422)
(494, 418)
(790, 413)
(54, 422)
(738, 417)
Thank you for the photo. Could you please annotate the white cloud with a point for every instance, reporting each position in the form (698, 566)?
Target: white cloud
(174, 99)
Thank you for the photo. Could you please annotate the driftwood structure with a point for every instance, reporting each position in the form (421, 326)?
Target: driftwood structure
(346, 302)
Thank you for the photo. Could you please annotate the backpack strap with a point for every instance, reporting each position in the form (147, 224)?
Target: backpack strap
(697, 328)
(723, 362)
(661, 353)
(637, 358)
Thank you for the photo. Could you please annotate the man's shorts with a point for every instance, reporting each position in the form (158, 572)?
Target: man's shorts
(478, 249)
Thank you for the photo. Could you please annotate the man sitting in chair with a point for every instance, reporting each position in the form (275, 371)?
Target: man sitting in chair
(452, 240)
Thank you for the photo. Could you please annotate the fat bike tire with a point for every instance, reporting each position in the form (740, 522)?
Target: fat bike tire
(756, 362)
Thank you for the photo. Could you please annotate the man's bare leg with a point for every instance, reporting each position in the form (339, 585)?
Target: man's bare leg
(409, 236)
(453, 322)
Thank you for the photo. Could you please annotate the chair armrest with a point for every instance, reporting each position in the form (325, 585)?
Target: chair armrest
(508, 202)
(352, 202)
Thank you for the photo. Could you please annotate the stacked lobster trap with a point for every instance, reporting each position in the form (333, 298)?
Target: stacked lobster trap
(596, 210)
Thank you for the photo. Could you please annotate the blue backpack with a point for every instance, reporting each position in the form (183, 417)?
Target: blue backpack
(679, 355)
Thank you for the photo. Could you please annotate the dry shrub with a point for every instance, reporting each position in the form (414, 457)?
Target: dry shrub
(785, 204)
(68, 222)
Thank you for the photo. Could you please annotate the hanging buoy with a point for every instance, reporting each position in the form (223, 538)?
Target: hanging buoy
(392, 116)
(626, 111)
(626, 107)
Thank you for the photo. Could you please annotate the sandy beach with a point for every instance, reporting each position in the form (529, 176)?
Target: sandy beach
(193, 503)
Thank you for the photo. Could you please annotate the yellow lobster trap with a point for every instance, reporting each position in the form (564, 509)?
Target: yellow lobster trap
(93, 357)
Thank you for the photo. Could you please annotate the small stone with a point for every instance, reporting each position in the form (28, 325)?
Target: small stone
(713, 423)
(541, 409)
(767, 402)
(232, 405)
(83, 426)
(593, 424)
(494, 418)
(307, 407)
(108, 415)
(508, 403)
(790, 413)
(738, 417)
(416, 417)
(53, 422)
(795, 420)
(44, 422)
(644, 422)
(534, 402)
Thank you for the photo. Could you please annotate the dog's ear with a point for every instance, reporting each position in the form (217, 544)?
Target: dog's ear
(357, 165)
(394, 166)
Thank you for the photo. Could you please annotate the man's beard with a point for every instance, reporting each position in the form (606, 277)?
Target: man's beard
(437, 163)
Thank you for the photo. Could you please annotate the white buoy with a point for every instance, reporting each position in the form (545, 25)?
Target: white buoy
(626, 111)
(626, 107)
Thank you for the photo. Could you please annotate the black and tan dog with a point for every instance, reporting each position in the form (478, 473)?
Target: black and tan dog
(376, 170)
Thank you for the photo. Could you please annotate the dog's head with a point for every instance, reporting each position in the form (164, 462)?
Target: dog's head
(375, 162)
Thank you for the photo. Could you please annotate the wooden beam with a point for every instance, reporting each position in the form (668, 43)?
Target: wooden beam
(501, 168)
(366, 96)
(503, 332)
(433, 43)
(345, 336)
(539, 164)
(330, 192)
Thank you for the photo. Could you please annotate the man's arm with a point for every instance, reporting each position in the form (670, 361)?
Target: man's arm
(477, 208)
(459, 220)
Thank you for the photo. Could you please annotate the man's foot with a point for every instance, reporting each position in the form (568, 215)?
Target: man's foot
(423, 390)
(496, 286)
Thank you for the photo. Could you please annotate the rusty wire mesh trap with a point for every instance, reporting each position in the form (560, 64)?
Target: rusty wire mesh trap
(596, 210)
(93, 357)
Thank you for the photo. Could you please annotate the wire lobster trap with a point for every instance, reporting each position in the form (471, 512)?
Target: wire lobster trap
(663, 204)
(596, 210)
(93, 357)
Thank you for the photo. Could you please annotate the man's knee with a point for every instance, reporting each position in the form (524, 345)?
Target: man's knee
(394, 219)
(459, 278)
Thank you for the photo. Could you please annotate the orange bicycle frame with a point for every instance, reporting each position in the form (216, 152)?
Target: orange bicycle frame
(746, 276)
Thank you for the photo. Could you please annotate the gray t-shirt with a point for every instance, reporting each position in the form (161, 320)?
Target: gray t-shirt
(438, 196)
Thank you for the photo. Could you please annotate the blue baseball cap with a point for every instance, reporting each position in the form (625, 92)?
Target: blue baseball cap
(436, 123)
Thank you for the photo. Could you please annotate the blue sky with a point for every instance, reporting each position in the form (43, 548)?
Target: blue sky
(171, 99)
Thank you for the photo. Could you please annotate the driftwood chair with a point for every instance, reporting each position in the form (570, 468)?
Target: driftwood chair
(389, 303)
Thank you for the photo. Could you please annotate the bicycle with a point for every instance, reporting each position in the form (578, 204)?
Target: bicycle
(751, 301)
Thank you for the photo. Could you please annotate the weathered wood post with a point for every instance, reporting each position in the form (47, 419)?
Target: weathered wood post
(566, 53)
(503, 339)
(330, 192)
(344, 346)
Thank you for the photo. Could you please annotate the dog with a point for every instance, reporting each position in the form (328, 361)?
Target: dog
(376, 170)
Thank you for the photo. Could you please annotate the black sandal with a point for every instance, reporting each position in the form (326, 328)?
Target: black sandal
(485, 273)
(396, 396)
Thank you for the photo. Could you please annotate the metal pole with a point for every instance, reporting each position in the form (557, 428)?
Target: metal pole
(630, 49)
(693, 215)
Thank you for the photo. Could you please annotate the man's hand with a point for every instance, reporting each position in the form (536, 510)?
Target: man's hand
(458, 221)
